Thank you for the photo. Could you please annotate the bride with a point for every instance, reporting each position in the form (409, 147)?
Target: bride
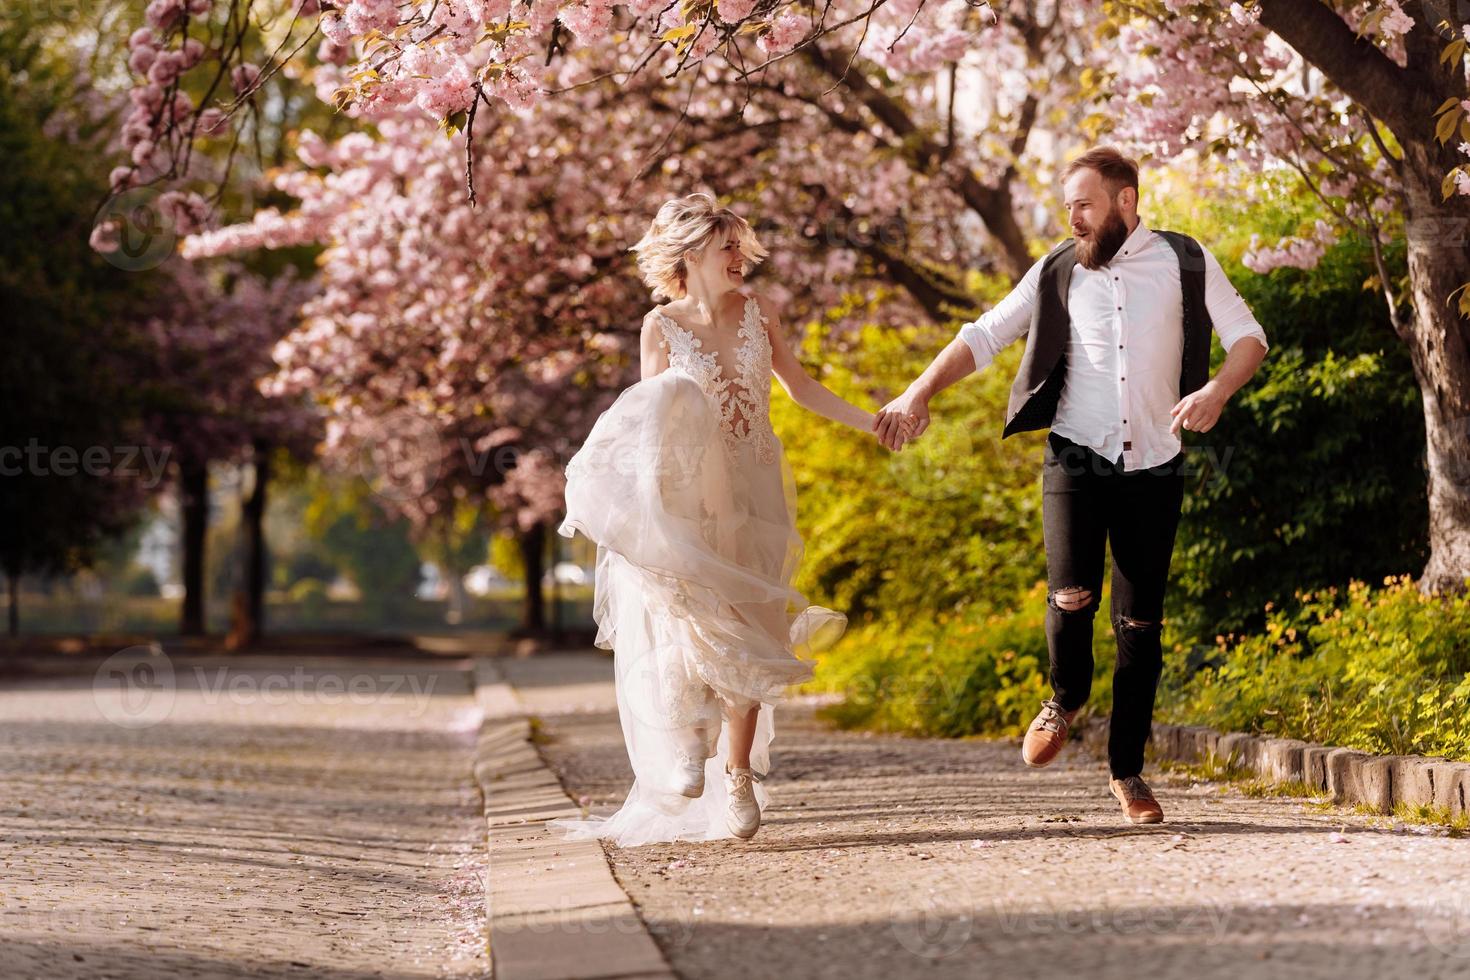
(686, 491)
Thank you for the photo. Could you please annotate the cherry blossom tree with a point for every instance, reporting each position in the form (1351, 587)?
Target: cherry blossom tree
(1368, 104)
(466, 341)
(900, 66)
(459, 354)
(206, 338)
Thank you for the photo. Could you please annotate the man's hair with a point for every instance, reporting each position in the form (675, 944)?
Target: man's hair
(1117, 171)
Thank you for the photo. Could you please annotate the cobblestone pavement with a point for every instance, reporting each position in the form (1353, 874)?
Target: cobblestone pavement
(243, 817)
(893, 857)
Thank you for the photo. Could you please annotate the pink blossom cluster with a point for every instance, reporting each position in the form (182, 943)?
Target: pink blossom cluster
(734, 11)
(1295, 252)
(443, 56)
(785, 32)
(210, 333)
(521, 314)
(588, 19)
(910, 39)
(1223, 82)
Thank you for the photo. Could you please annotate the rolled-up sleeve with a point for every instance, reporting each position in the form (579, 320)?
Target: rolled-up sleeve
(1231, 317)
(1003, 322)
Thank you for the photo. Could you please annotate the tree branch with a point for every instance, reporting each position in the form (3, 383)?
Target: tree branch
(1354, 64)
(992, 204)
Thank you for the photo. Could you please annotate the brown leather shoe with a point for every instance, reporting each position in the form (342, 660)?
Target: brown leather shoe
(1139, 805)
(1047, 734)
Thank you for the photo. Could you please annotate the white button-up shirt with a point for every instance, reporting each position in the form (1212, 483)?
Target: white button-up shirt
(1123, 353)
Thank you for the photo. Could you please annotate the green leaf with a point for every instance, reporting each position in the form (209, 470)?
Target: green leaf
(679, 33)
(454, 122)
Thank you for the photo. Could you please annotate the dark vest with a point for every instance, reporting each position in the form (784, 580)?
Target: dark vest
(1038, 385)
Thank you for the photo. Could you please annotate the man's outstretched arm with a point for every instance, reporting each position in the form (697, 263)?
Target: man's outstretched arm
(956, 361)
(974, 347)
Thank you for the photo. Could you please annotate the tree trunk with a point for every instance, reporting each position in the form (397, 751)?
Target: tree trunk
(14, 590)
(533, 556)
(1439, 345)
(194, 507)
(253, 626)
(1405, 99)
(454, 609)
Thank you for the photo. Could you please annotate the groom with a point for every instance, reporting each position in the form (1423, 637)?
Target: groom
(1117, 322)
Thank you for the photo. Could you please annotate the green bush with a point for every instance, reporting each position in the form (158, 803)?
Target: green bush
(138, 580)
(310, 594)
(1321, 476)
(1384, 670)
(951, 521)
(954, 674)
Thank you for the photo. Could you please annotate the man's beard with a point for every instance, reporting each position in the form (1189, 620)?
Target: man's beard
(1104, 242)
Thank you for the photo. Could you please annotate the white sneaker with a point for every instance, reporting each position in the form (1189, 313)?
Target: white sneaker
(744, 816)
(687, 778)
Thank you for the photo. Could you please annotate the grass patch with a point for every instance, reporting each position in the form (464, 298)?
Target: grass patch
(1291, 788)
(1384, 670)
(1212, 768)
(1216, 769)
(538, 735)
(1437, 816)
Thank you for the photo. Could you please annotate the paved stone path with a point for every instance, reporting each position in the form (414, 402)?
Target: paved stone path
(242, 817)
(892, 857)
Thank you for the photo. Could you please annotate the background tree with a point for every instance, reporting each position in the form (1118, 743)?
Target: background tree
(209, 335)
(1365, 105)
(72, 473)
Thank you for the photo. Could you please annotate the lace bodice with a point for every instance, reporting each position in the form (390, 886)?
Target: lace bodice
(744, 401)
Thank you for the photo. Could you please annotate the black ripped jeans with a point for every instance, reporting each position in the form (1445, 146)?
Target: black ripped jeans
(1086, 501)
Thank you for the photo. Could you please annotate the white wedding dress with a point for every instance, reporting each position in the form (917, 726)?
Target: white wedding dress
(687, 493)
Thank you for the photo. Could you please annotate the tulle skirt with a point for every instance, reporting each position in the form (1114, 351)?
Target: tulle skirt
(696, 548)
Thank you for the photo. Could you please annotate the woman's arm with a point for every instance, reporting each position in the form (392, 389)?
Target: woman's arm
(653, 359)
(805, 390)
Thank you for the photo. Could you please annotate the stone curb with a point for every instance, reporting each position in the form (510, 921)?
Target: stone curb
(553, 908)
(1348, 775)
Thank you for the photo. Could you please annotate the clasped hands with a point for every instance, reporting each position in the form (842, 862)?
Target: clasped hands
(906, 417)
(902, 420)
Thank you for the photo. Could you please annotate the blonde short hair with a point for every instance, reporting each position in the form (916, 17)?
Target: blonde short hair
(687, 224)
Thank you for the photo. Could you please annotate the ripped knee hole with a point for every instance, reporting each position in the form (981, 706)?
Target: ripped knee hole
(1074, 598)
